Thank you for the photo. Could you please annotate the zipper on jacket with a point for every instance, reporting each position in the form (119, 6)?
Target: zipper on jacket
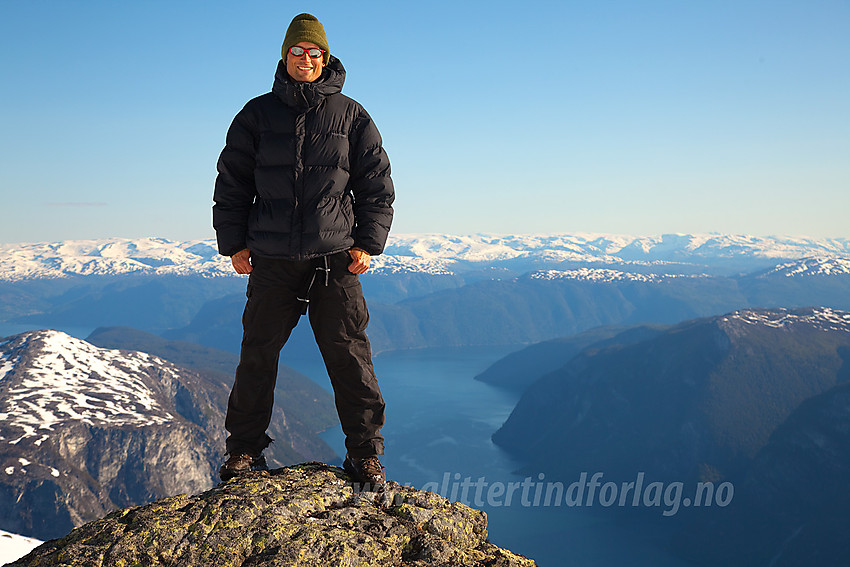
(298, 172)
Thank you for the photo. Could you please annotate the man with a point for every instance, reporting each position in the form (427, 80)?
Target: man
(303, 200)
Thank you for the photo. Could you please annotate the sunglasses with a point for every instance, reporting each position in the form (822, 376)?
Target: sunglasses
(313, 52)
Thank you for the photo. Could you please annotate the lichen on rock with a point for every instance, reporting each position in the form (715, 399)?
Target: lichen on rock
(304, 515)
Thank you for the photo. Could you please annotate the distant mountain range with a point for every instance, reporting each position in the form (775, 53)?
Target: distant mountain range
(434, 254)
(433, 290)
(85, 429)
(758, 398)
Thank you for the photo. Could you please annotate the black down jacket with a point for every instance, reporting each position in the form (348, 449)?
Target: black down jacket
(303, 173)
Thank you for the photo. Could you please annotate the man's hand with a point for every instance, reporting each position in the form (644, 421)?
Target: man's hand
(361, 260)
(242, 262)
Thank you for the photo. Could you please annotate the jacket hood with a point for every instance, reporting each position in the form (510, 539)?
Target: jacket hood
(303, 96)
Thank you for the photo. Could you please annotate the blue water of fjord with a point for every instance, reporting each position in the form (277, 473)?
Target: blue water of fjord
(439, 423)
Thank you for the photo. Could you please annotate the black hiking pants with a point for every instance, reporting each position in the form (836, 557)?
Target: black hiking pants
(338, 315)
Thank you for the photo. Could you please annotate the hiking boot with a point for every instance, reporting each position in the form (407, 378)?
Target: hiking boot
(240, 463)
(367, 470)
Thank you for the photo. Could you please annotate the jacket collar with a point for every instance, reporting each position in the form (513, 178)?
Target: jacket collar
(303, 96)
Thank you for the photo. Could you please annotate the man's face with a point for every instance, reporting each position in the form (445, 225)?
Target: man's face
(304, 68)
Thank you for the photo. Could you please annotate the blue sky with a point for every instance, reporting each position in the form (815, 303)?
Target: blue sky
(634, 117)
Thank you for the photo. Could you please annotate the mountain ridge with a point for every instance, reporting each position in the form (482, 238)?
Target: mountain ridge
(726, 382)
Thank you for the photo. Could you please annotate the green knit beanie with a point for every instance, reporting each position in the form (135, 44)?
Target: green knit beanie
(305, 27)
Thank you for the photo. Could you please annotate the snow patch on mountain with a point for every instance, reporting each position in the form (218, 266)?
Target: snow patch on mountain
(599, 275)
(387, 264)
(821, 318)
(6, 366)
(21, 468)
(811, 267)
(50, 378)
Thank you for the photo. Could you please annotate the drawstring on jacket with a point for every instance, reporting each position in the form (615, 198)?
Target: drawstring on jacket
(305, 301)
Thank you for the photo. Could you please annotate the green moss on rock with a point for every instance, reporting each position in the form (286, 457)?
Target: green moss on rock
(303, 515)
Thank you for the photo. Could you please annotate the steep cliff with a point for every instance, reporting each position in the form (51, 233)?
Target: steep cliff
(304, 515)
(696, 402)
(85, 430)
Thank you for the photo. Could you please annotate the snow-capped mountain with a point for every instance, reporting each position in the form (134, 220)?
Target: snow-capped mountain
(584, 247)
(85, 429)
(438, 254)
(71, 381)
(113, 256)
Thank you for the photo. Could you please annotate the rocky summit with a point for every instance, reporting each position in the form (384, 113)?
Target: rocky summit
(308, 514)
